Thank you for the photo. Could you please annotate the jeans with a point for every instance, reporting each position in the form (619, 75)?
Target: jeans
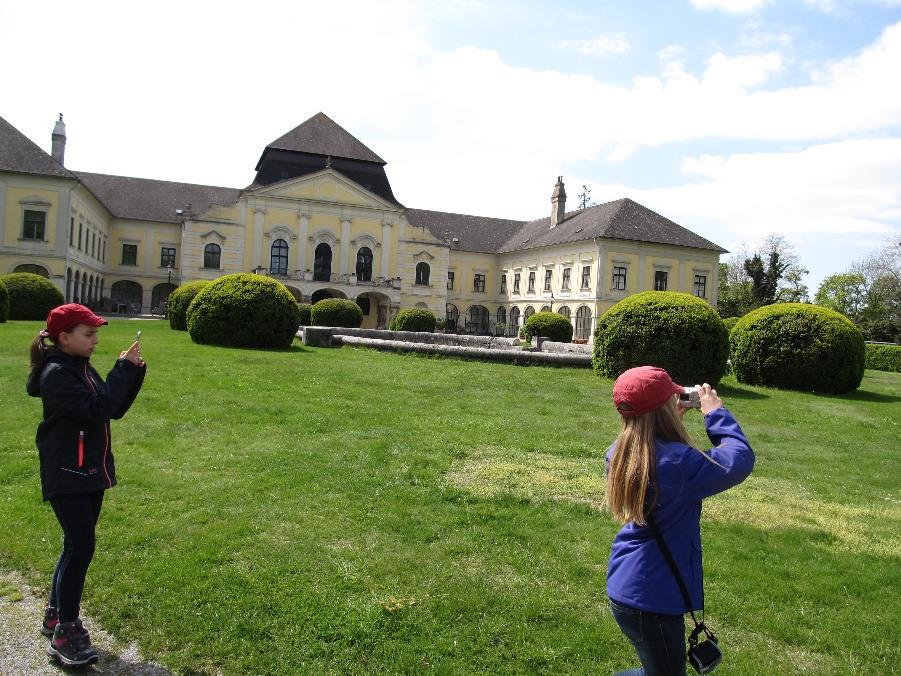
(658, 639)
(77, 515)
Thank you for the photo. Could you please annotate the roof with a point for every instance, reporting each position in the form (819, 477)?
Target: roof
(20, 154)
(474, 233)
(320, 135)
(621, 219)
(146, 199)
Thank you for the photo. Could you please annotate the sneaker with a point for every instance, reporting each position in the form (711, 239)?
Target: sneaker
(71, 646)
(51, 619)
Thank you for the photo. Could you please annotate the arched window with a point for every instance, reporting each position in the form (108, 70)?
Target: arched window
(212, 256)
(278, 258)
(84, 289)
(514, 321)
(422, 274)
(528, 313)
(322, 263)
(502, 315)
(453, 316)
(33, 269)
(477, 320)
(565, 311)
(545, 308)
(76, 294)
(68, 285)
(91, 289)
(127, 292)
(159, 294)
(583, 323)
(364, 264)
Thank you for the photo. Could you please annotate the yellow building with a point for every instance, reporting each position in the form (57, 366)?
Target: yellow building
(321, 217)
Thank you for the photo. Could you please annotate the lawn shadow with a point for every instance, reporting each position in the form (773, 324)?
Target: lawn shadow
(110, 663)
(866, 395)
(736, 392)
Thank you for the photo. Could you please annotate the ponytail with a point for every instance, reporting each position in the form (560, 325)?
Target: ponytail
(40, 350)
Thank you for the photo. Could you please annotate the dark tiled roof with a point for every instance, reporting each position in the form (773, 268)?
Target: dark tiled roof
(20, 154)
(475, 233)
(320, 135)
(146, 199)
(621, 219)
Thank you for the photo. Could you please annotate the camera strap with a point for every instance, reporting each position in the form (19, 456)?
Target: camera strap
(699, 626)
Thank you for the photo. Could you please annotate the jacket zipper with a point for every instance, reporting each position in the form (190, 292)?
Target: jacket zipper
(81, 448)
(109, 481)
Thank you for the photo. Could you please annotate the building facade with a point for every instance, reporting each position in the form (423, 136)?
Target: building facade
(320, 216)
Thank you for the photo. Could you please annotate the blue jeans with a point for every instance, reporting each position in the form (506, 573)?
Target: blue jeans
(659, 640)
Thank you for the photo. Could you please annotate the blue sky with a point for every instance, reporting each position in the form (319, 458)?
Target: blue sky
(735, 118)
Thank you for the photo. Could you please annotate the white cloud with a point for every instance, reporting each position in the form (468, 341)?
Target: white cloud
(731, 6)
(827, 6)
(741, 72)
(612, 43)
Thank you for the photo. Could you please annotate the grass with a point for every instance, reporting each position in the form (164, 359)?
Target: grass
(350, 511)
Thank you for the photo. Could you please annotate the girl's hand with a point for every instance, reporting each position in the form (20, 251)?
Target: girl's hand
(710, 400)
(133, 354)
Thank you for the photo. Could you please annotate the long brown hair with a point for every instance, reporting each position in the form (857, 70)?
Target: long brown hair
(40, 350)
(632, 471)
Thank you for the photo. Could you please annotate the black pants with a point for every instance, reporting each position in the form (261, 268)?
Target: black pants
(77, 514)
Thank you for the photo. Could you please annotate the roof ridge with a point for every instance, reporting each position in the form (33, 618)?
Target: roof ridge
(155, 180)
(457, 213)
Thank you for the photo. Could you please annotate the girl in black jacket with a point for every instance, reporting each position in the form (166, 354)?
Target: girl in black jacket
(76, 457)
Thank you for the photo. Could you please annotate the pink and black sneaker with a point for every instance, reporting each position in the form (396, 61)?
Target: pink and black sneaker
(51, 619)
(71, 645)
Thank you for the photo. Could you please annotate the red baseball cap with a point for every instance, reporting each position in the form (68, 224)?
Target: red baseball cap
(68, 316)
(643, 389)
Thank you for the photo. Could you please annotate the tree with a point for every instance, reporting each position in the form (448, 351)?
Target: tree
(795, 291)
(585, 198)
(749, 280)
(734, 298)
(845, 293)
(765, 280)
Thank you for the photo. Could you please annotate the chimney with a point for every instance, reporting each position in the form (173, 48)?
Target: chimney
(58, 145)
(558, 202)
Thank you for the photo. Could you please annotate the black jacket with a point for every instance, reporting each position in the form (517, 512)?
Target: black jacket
(73, 439)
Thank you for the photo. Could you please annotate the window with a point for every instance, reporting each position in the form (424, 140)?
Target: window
(514, 321)
(503, 283)
(322, 263)
(212, 256)
(566, 274)
(103, 253)
(478, 283)
(33, 225)
(660, 280)
(547, 279)
(71, 229)
(278, 258)
(528, 313)
(700, 286)
(364, 265)
(583, 323)
(167, 256)
(453, 315)
(502, 315)
(450, 280)
(34, 269)
(422, 274)
(516, 283)
(564, 311)
(586, 276)
(94, 245)
(129, 254)
(365, 304)
(545, 308)
(619, 278)
(531, 281)
(477, 320)
(80, 232)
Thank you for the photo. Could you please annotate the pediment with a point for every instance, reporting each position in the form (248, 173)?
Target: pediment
(325, 186)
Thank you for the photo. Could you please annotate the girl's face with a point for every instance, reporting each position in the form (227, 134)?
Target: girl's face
(80, 341)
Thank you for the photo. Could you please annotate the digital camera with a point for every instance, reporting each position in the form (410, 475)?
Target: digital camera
(690, 398)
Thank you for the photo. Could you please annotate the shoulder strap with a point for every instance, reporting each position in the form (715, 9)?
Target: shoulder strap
(672, 565)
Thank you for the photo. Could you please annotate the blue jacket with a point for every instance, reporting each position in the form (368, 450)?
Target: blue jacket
(637, 574)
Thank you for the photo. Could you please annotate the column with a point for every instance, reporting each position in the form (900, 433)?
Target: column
(259, 213)
(345, 244)
(303, 221)
(386, 249)
(62, 224)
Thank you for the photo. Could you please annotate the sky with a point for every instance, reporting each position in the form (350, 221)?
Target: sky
(735, 118)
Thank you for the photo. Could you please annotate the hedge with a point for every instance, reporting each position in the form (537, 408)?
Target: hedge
(336, 312)
(304, 313)
(31, 296)
(675, 331)
(4, 302)
(414, 319)
(730, 322)
(883, 357)
(179, 300)
(244, 310)
(549, 325)
(797, 346)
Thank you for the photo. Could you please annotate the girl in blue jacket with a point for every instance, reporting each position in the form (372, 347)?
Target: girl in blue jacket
(76, 457)
(653, 467)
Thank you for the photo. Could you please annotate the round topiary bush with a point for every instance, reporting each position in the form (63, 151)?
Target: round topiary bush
(305, 317)
(730, 322)
(675, 331)
(4, 302)
(244, 310)
(336, 312)
(414, 319)
(549, 325)
(796, 346)
(31, 296)
(179, 300)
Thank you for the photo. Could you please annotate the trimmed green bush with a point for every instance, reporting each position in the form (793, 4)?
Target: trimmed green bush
(549, 325)
(336, 312)
(414, 319)
(730, 322)
(305, 317)
(179, 300)
(31, 296)
(4, 302)
(883, 357)
(675, 331)
(244, 310)
(796, 346)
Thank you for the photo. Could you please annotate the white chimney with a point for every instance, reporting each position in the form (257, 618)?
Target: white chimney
(558, 202)
(58, 144)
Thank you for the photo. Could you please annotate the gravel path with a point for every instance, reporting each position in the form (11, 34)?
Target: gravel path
(23, 650)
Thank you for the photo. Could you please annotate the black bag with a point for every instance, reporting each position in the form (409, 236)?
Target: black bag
(704, 655)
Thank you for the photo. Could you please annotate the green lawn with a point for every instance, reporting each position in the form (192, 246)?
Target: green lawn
(349, 511)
